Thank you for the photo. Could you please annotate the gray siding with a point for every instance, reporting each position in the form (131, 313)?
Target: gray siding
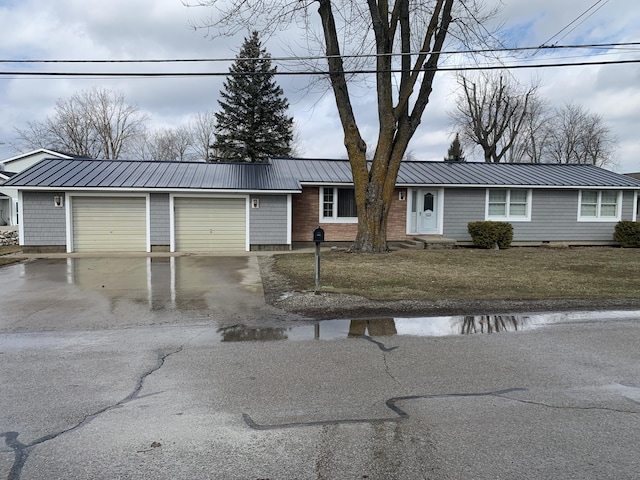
(160, 227)
(43, 223)
(461, 206)
(268, 224)
(554, 216)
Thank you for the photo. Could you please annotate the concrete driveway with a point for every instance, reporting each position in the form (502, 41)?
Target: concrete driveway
(161, 369)
(113, 292)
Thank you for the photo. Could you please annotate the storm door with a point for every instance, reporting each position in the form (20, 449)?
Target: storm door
(427, 210)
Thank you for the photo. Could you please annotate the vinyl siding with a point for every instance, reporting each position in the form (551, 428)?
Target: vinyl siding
(553, 216)
(160, 228)
(268, 223)
(43, 223)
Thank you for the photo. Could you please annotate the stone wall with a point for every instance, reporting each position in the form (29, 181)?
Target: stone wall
(8, 237)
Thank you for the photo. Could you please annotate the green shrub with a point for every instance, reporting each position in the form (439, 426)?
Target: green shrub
(490, 234)
(627, 233)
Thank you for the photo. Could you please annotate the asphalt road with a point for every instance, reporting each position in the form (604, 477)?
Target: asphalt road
(176, 369)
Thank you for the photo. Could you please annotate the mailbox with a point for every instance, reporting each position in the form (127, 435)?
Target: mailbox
(318, 235)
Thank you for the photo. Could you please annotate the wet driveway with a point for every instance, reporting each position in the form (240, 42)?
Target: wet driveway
(176, 369)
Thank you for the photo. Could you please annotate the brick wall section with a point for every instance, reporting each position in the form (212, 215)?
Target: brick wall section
(306, 217)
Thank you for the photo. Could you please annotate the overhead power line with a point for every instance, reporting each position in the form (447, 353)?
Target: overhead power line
(590, 11)
(309, 72)
(321, 57)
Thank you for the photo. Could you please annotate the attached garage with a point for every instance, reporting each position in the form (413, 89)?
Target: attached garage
(207, 224)
(109, 224)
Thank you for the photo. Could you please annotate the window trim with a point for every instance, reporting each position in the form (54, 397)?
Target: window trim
(334, 218)
(508, 217)
(599, 217)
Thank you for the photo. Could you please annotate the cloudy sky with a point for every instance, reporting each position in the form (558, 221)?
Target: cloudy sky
(159, 29)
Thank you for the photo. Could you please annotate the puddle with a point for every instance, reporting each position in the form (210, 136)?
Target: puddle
(371, 330)
(159, 283)
(419, 326)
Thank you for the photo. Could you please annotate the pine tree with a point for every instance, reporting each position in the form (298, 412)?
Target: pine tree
(253, 124)
(455, 152)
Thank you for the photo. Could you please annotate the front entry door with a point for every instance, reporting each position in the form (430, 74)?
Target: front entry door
(427, 209)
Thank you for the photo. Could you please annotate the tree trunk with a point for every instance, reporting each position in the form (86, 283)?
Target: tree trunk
(374, 182)
(372, 223)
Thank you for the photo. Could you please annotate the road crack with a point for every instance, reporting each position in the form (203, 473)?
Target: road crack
(569, 407)
(21, 451)
(385, 350)
(390, 403)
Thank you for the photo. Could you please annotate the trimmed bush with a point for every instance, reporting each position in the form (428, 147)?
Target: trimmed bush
(490, 234)
(627, 233)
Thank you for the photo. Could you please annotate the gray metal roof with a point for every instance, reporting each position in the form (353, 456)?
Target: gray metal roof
(143, 175)
(466, 173)
(289, 174)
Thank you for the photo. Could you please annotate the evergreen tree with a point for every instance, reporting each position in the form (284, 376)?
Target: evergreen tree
(253, 124)
(455, 152)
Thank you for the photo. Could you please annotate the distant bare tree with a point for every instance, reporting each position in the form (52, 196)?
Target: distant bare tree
(573, 135)
(165, 144)
(531, 143)
(490, 112)
(202, 128)
(95, 123)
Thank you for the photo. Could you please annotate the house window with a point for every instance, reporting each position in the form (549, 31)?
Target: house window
(599, 205)
(338, 204)
(508, 204)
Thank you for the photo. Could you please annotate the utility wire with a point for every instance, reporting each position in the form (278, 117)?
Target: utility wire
(544, 45)
(310, 72)
(290, 59)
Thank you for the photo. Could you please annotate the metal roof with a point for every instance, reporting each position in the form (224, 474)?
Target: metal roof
(144, 175)
(289, 174)
(466, 173)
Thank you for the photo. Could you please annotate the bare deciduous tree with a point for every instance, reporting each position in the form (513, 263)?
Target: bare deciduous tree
(95, 123)
(491, 111)
(405, 36)
(202, 127)
(530, 144)
(573, 135)
(164, 144)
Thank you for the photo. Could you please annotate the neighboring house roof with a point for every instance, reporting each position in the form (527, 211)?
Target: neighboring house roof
(290, 174)
(633, 175)
(6, 174)
(46, 151)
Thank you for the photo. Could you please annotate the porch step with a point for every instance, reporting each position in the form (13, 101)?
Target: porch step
(435, 241)
(407, 244)
(423, 242)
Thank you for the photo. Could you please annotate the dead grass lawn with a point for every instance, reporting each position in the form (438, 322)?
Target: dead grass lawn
(473, 274)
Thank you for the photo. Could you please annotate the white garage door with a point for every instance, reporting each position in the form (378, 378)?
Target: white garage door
(210, 224)
(109, 224)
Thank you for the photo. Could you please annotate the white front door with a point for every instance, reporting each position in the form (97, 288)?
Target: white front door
(427, 211)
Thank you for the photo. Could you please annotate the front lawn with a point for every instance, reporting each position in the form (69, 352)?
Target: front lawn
(472, 274)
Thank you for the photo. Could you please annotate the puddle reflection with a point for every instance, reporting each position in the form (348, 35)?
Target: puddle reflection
(386, 327)
(419, 326)
(160, 283)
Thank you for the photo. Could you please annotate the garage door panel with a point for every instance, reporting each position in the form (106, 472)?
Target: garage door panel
(109, 224)
(210, 224)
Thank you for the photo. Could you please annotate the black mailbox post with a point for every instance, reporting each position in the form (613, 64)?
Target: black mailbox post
(318, 237)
